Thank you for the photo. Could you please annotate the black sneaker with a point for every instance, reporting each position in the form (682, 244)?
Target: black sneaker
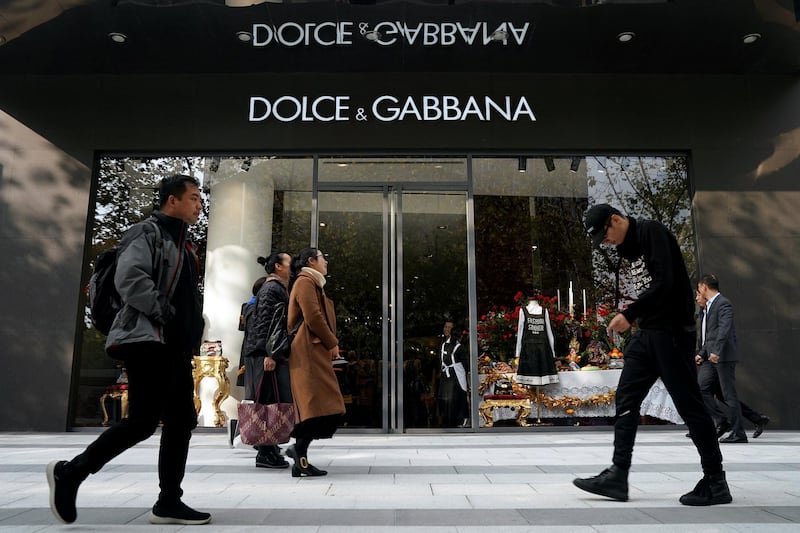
(611, 483)
(270, 460)
(178, 513)
(711, 490)
(63, 490)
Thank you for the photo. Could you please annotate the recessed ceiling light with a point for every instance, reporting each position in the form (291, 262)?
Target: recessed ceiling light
(244, 36)
(322, 225)
(117, 37)
(626, 36)
(750, 38)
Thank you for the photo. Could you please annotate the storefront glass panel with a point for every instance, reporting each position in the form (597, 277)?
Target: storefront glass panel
(529, 240)
(251, 205)
(397, 272)
(398, 232)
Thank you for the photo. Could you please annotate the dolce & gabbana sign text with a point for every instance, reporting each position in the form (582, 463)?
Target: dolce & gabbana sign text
(390, 108)
(387, 33)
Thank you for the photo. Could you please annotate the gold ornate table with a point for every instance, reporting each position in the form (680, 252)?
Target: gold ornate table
(118, 394)
(212, 366)
(521, 405)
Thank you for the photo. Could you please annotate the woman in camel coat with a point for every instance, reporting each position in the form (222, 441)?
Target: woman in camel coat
(318, 401)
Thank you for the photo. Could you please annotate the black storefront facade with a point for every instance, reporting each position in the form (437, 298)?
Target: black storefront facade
(380, 156)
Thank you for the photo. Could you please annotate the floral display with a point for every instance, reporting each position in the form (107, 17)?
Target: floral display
(497, 331)
(580, 341)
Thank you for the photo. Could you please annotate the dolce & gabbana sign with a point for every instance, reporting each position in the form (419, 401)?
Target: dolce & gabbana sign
(388, 33)
(390, 108)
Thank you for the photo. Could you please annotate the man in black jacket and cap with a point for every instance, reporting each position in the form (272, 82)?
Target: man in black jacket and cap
(662, 347)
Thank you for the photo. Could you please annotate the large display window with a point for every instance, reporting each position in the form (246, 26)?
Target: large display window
(530, 244)
(417, 246)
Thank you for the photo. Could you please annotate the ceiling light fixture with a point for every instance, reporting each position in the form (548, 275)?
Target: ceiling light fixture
(626, 36)
(575, 164)
(244, 36)
(117, 37)
(750, 38)
(522, 164)
(549, 164)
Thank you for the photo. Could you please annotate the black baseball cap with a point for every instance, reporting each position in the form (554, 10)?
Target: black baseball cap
(596, 221)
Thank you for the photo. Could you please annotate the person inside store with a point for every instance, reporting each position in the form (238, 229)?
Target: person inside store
(271, 303)
(453, 381)
(661, 347)
(156, 333)
(319, 405)
(710, 388)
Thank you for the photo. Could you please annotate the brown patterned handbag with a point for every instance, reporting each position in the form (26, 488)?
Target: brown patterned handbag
(266, 424)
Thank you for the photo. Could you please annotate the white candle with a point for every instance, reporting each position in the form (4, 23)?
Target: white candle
(584, 302)
(571, 299)
(558, 298)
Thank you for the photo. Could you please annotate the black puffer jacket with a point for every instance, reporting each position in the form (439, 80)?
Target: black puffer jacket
(270, 296)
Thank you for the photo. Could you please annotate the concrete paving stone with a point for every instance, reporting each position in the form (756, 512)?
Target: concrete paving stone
(433, 477)
(522, 490)
(332, 517)
(469, 517)
(414, 479)
(722, 514)
(554, 517)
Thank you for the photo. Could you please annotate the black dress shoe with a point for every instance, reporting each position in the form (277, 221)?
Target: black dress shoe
(270, 459)
(733, 439)
(722, 429)
(760, 425)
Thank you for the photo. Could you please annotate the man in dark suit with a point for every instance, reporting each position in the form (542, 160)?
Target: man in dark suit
(718, 346)
(712, 393)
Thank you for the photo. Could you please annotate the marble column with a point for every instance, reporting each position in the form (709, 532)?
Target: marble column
(239, 230)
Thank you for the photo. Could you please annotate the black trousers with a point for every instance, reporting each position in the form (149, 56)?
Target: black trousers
(721, 377)
(160, 388)
(667, 354)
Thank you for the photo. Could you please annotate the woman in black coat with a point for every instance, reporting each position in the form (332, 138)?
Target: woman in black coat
(258, 324)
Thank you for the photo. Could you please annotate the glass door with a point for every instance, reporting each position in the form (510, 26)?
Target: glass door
(398, 276)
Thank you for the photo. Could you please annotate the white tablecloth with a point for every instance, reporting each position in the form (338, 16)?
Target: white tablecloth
(586, 383)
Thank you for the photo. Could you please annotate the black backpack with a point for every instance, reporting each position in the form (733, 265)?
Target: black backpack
(103, 299)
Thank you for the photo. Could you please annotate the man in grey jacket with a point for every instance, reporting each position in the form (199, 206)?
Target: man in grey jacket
(155, 333)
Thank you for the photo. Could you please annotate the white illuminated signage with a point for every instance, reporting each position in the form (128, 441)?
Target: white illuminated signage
(388, 33)
(390, 108)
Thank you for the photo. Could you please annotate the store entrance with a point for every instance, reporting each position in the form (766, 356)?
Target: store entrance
(397, 272)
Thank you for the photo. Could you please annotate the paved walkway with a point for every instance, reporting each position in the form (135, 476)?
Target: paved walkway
(455, 483)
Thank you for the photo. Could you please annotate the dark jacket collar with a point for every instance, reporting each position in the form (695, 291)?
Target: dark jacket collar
(174, 226)
(630, 248)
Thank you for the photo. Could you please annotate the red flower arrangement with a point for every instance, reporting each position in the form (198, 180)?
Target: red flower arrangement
(497, 331)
